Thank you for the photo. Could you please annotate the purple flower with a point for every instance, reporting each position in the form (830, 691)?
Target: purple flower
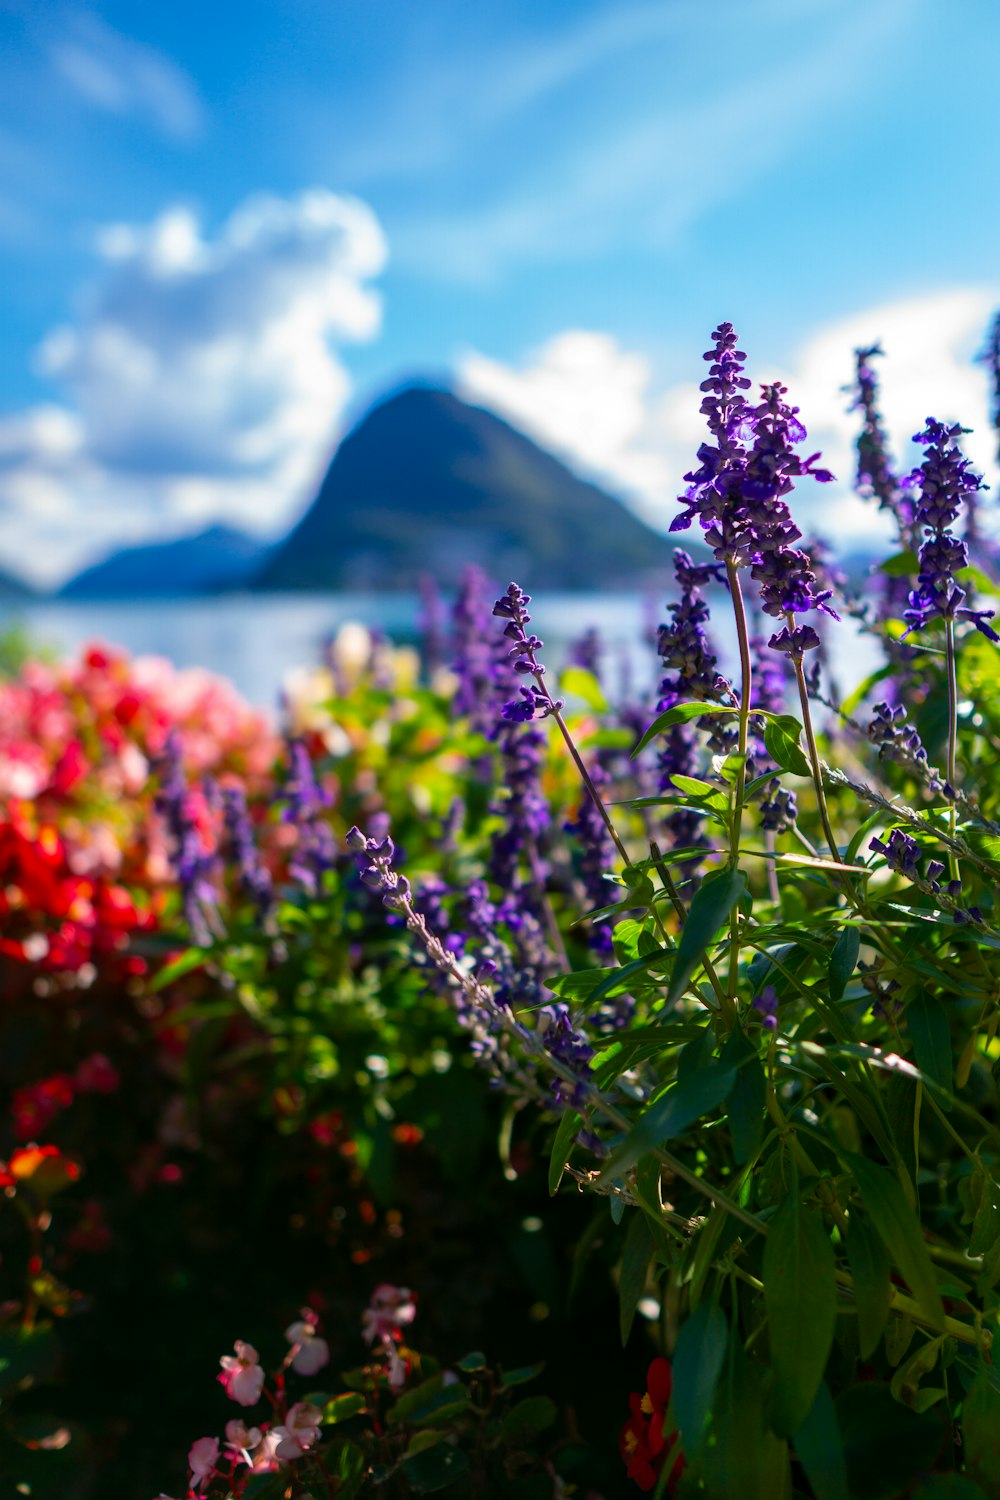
(305, 805)
(534, 702)
(990, 357)
(253, 875)
(946, 481)
(766, 1004)
(586, 651)
(484, 679)
(193, 864)
(876, 476)
(902, 853)
(899, 741)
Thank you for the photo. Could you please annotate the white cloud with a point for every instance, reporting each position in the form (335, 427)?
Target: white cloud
(591, 401)
(202, 379)
(125, 77)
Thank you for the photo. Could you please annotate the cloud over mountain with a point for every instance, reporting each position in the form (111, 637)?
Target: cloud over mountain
(201, 378)
(594, 402)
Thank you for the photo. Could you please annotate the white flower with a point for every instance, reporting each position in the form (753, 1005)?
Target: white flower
(242, 1377)
(240, 1439)
(301, 1430)
(312, 1352)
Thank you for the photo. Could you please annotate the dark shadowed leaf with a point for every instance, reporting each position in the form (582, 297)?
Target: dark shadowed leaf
(885, 1444)
(820, 1448)
(747, 1099)
(899, 1230)
(843, 961)
(698, 1360)
(800, 1292)
(981, 1432)
(671, 1114)
(931, 1036)
(636, 1256)
(869, 1264)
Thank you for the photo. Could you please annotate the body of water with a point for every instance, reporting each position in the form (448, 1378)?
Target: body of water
(256, 639)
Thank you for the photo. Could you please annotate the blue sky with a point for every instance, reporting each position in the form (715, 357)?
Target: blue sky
(225, 228)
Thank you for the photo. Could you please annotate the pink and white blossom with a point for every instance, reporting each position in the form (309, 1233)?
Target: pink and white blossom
(300, 1430)
(241, 1439)
(392, 1309)
(203, 1456)
(242, 1377)
(311, 1352)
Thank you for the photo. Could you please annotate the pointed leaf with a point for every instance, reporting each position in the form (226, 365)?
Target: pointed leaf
(713, 902)
(698, 1360)
(747, 1101)
(931, 1036)
(800, 1292)
(981, 1431)
(869, 1263)
(670, 1115)
(899, 1230)
(565, 1136)
(635, 1266)
(821, 1449)
(843, 961)
(681, 713)
(781, 737)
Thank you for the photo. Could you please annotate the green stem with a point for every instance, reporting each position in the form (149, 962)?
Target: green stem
(746, 684)
(952, 734)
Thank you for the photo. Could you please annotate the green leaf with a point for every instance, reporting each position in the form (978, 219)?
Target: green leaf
(885, 1444)
(343, 1407)
(781, 737)
(981, 1431)
(530, 1416)
(698, 1360)
(843, 961)
(899, 1230)
(635, 1266)
(947, 1487)
(710, 908)
(905, 1382)
(435, 1468)
(565, 1136)
(579, 683)
(931, 1036)
(901, 565)
(681, 713)
(747, 1099)
(820, 1448)
(800, 1292)
(869, 1266)
(671, 1114)
(472, 1363)
(192, 958)
(742, 1459)
(521, 1376)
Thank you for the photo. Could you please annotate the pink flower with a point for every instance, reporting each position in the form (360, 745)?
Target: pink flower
(392, 1308)
(240, 1439)
(311, 1352)
(242, 1377)
(300, 1431)
(97, 1075)
(203, 1457)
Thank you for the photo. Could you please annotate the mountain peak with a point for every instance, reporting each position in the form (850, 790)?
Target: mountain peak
(426, 483)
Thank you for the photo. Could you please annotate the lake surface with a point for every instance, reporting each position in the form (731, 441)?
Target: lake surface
(256, 639)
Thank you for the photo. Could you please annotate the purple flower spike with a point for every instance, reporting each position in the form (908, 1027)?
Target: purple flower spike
(534, 702)
(946, 481)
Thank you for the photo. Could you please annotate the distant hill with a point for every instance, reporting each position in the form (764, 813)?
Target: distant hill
(426, 484)
(14, 590)
(212, 561)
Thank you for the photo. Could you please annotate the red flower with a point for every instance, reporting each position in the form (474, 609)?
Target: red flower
(42, 1168)
(644, 1443)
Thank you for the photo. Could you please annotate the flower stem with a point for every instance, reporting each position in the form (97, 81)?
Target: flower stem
(746, 677)
(952, 671)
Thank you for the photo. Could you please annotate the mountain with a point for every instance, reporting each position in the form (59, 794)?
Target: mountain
(14, 590)
(212, 561)
(426, 484)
